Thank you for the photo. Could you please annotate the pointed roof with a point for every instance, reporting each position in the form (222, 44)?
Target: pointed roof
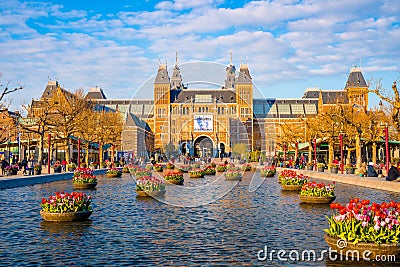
(176, 79)
(162, 75)
(355, 79)
(95, 93)
(230, 79)
(132, 121)
(50, 89)
(244, 76)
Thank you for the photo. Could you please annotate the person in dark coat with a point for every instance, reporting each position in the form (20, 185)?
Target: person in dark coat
(393, 173)
(371, 171)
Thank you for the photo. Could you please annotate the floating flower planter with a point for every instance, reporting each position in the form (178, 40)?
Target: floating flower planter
(84, 179)
(233, 175)
(359, 226)
(113, 173)
(268, 171)
(158, 168)
(66, 207)
(196, 173)
(149, 186)
(317, 193)
(221, 168)
(174, 177)
(210, 170)
(291, 180)
(65, 216)
(246, 167)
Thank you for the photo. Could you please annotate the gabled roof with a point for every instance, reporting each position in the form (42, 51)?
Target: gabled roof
(132, 120)
(244, 76)
(162, 75)
(95, 93)
(355, 79)
(334, 97)
(311, 93)
(50, 89)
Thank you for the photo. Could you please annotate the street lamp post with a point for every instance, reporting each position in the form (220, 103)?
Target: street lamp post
(79, 152)
(315, 153)
(341, 152)
(387, 147)
(48, 154)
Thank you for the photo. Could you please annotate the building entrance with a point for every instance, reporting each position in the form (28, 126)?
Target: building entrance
(203, 147)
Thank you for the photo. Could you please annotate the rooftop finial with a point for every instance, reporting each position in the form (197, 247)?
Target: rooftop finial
(176, 58)
(230, 52)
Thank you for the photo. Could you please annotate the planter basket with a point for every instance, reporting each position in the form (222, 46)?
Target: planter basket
(177, 182)
(290, 187)
(84, 185)
(233, 178)
(65, 216)
(142, 193)
(334, 170)
(350, 171)
(374, 249)
(321, 169)
(113, 175)
(196, 175)
(310, 168)
(317, 200)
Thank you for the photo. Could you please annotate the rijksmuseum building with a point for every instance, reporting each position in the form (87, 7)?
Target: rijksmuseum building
(207, 122)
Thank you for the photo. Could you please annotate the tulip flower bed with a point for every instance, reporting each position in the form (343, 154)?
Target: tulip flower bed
(185, 168)
(141, 172)
(233, 175)
(158, 168)
(246, 167)
(83, 175)
(196, 173)
(113, 172)
(210, 170)
(174, 176)
(293, 178)
(268, 171)
(359, 221)
(318, 190)
(67, 202)
(149, 183)
(221, 168)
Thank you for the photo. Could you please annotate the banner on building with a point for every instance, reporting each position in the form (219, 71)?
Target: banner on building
(203, 123)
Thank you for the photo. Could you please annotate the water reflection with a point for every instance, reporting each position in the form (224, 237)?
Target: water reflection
(126, 231)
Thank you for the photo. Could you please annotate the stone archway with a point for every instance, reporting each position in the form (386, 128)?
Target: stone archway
(203, 147)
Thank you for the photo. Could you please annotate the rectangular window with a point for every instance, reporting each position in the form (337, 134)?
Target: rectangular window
(310, 108)
(258, 109)
(203, 99)
(136, 109)
(284, 109)
(123, 108)
(148, 110)
(270, 109)
(297, 109)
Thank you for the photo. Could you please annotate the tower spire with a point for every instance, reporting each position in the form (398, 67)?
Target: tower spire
(176, 58)
(230, 56)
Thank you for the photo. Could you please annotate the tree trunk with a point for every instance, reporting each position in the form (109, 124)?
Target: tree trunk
(87, 153)
(331, 152)
(66, 145)
(40, 152)
(374, 152)
(310, 152)
(358, 152)
(100, 153)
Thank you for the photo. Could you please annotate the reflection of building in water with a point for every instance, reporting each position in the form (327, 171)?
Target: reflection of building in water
(210, 121)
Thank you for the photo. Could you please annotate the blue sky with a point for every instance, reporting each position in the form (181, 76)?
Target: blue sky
(117, 45)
